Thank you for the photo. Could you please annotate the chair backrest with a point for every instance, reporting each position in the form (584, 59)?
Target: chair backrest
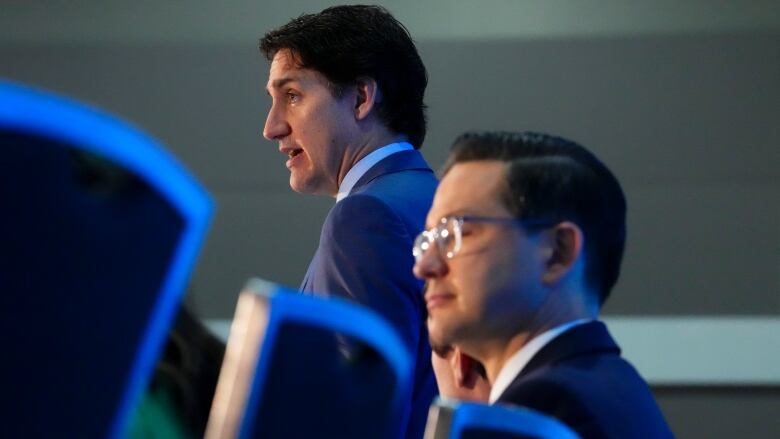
(450, 419)
(99, 231)
(304, 366)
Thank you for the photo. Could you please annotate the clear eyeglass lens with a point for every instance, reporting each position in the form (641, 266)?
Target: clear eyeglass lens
(450, 237)
(446, 235)
(422, 244)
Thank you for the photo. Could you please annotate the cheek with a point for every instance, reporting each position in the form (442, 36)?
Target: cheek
(486, 281)
(474, 279)
(319, 134)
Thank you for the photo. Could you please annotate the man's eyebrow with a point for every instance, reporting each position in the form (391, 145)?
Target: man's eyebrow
(457, 212)
(281, 82)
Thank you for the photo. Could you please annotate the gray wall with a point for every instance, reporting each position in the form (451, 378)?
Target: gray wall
(681, 99)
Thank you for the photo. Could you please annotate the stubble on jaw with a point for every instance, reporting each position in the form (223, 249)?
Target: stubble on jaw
(440, 349)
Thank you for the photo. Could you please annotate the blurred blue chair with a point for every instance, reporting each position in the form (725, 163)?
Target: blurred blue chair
(300, 366)
(98, 234)
(450, 419)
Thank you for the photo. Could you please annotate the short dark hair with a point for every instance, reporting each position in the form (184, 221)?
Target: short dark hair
(555, 179)
(346, 43)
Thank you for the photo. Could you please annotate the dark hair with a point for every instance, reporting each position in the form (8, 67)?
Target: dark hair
(189, 369)
(555, 179)
(346, 43)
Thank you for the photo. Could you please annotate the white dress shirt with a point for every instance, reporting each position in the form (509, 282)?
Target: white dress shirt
(364, 164)
(520, 359)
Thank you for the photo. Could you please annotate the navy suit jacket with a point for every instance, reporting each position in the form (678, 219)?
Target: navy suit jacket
(365, 254)
(581, 379)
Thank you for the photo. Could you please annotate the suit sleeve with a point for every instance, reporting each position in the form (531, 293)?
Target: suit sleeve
(367, 254)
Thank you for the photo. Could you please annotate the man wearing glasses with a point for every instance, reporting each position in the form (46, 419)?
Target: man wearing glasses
(525, 240)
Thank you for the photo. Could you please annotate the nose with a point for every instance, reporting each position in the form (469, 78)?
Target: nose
(430, 264)
(276, 127)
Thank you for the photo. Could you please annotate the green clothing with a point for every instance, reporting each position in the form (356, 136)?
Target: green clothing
(156, 417)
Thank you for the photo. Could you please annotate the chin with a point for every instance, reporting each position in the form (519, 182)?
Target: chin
(300, 185)
(296, 188)
(312, 184)
(439, 341)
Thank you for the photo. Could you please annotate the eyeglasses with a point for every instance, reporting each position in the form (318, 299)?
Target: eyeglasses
(448, 234)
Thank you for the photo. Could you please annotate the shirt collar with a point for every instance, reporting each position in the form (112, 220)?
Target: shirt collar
(364, 164)
(520, 359)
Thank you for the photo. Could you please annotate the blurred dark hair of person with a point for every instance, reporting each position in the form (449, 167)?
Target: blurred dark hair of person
(178, 399)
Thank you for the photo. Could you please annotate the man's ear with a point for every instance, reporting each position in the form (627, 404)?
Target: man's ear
(466, 370)
(368, 95)
(565, 243)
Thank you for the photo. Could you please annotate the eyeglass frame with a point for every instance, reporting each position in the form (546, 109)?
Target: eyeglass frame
(434, 233)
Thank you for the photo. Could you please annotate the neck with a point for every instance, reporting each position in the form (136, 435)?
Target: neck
(495, 353)
(370, 143)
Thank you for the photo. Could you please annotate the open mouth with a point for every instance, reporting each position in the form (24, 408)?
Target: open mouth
(292, 157)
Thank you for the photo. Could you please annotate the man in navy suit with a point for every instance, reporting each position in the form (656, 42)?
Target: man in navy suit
(525, 240)
(347, 87)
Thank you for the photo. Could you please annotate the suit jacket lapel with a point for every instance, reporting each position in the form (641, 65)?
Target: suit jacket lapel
(587, 338)
(400, 161)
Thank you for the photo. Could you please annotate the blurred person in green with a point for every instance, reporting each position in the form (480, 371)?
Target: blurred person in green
(178, 399)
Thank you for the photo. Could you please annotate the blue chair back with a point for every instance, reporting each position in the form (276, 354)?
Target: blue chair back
(300, 366)
(466, 420)
(98, 234)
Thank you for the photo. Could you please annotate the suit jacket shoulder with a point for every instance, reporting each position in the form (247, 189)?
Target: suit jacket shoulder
(405, 183)
(581, 379)
(372, 231)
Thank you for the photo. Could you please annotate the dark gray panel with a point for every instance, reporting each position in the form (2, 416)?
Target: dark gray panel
(683, 108)
(709, 248)
(272, 235)
(207, 104)
(723, 412)
(655, 108)
(688, 123)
